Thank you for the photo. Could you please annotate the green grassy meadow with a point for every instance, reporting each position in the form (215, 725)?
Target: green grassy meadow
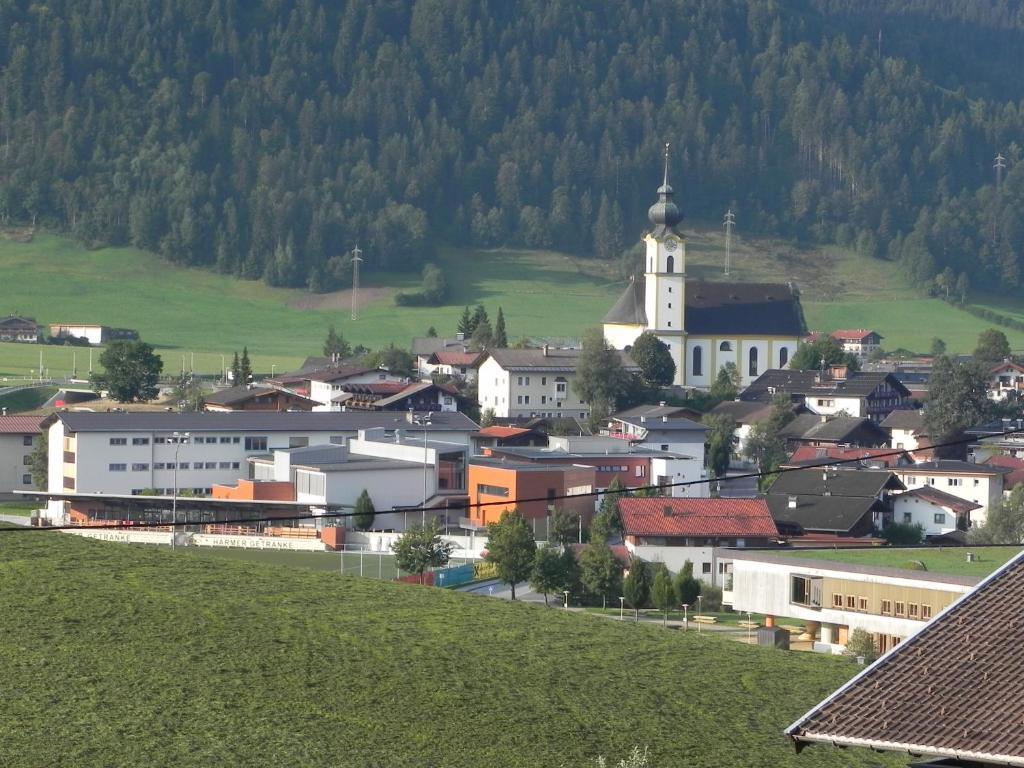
(197, 319)
(952, 561)
(120, 655)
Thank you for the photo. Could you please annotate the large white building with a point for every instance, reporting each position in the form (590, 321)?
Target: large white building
(129, 453)
(533, 382)
(979, 484)
(706, 325)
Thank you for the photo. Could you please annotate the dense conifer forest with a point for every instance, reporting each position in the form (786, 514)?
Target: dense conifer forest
(265, 138)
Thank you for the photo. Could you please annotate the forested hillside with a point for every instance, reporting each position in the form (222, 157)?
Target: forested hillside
(265, 139)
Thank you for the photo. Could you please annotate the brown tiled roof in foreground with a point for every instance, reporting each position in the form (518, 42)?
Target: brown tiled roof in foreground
(952, 690)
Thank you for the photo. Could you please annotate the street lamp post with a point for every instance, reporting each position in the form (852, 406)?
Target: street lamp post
(273, 369)
(686, 618)
(566, 593)
(178, 437)
(423, 421)
(622, 608)
(700, 601)
(748, 627)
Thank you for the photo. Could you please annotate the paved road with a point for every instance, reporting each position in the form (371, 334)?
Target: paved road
(14, 519)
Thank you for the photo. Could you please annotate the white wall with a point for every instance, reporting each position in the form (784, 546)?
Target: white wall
(537, 394)
(923, 513)
(674, 557)
(830, 404)
(986, 490)
(13, 469)
(681, 471)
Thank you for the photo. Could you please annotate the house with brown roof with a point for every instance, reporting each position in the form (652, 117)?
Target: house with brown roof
(937, 512)
(907, 431)
(1006, 381)
(873, 458)
(256, 398)
(454, 363)
(674, 530)
(980, 484)
(860, 342)
(23, 329)
(815, 430)
(871, 394)
(947, 696)
(706, 325)
(397, 396)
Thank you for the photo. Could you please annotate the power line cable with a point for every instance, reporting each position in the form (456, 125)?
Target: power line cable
(525, 500)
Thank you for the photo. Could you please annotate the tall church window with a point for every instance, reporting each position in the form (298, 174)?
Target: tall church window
(670, 264)
(752, 367)
(698, 361)
(783, 357)
(725, 346)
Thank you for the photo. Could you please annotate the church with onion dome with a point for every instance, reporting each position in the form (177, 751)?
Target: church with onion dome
(705, 324)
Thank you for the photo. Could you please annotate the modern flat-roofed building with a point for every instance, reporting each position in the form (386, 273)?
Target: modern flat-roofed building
(129, 453)
(534, 489)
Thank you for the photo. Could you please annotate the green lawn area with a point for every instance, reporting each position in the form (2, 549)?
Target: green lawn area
(19, 508)
(26, 399)
(951, 561)
(197, 319)
(119, 655)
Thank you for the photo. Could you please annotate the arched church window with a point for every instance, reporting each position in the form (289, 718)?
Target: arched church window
(725, 346)
(783, 357)
(752, 367)
(698, 361)
(670, 264)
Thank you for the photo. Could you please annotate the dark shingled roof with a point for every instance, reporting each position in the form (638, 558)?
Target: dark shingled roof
(551, 359)
(239, 394)
(858, 384)
(743, 412)
(836, 429)
(723, 309)
(838, 514)
(629, 309)
(763, 309)
(863, 483)
(951, 690)
(904, 419)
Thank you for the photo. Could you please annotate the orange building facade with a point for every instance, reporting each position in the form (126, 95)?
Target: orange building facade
(499, 484)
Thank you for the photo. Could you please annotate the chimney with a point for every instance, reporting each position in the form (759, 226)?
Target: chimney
(664, 418)
(791, 502)
(661, 403)
(666, 511)
(544, 349)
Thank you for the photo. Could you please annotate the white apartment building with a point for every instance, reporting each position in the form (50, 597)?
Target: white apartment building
(326, 385)
(19, 435)
(128, 453)
(525, 383)
(980, 484)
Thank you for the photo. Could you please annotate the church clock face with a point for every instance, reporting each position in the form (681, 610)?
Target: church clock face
(670, 245)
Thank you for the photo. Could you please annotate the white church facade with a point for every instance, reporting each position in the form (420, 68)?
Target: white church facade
(756, 326)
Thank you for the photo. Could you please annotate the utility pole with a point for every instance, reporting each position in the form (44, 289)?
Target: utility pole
(999, 165)
(729, 222)
(356, 260)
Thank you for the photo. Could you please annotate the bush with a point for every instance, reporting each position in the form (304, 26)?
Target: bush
(712, 595)
(861, 643)
(903, 534)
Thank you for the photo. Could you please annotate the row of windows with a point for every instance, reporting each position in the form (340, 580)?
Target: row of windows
(951, 482)
(162, 439)
(144, 467)
(492, 490)
(752, 358)
(544, 400)
(888, 607)
(170, 491)
(939, 518)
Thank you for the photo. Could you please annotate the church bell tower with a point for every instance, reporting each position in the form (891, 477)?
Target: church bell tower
(665, 274)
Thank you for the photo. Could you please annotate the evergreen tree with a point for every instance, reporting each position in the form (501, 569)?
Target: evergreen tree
(39, 461)
(663, 593)
(564, 528)
(466, 325)
(245, 367)
(727, 383)
(687, 587)
(500, 339)
(236, 370)
(480, 316)
(335, 345)
(721, 442)
(364, 511)
(825, 351)
(600, 377)
(636, 587)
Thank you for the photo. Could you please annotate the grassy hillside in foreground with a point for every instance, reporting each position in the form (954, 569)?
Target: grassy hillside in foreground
(112, 654)
(197, 318)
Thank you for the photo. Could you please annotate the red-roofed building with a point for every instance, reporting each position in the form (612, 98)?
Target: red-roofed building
(1014, 464)
(860, 342)
(499, 437)
(674, 530)
(460, 365)
(18, 436)
(873, 457)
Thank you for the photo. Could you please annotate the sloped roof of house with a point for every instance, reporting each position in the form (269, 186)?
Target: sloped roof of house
(744, 412)
(856, 384)
(20, 425)
(656, 411)
(822, 454)
(663, 424)
(905, 420)
(836, 429)
(422, 346)
(837, 514)
(468, 359)
(240, 394)
(504, 432)
(940, 499)
(827, 482)
(547, 359)
(413, 389)
(1015, 465)
(697, 517)
(860, 334)
(1007, 365)
(951, 690)
(381, 388)
(337, 373)
(13, 321)
(712, 308)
